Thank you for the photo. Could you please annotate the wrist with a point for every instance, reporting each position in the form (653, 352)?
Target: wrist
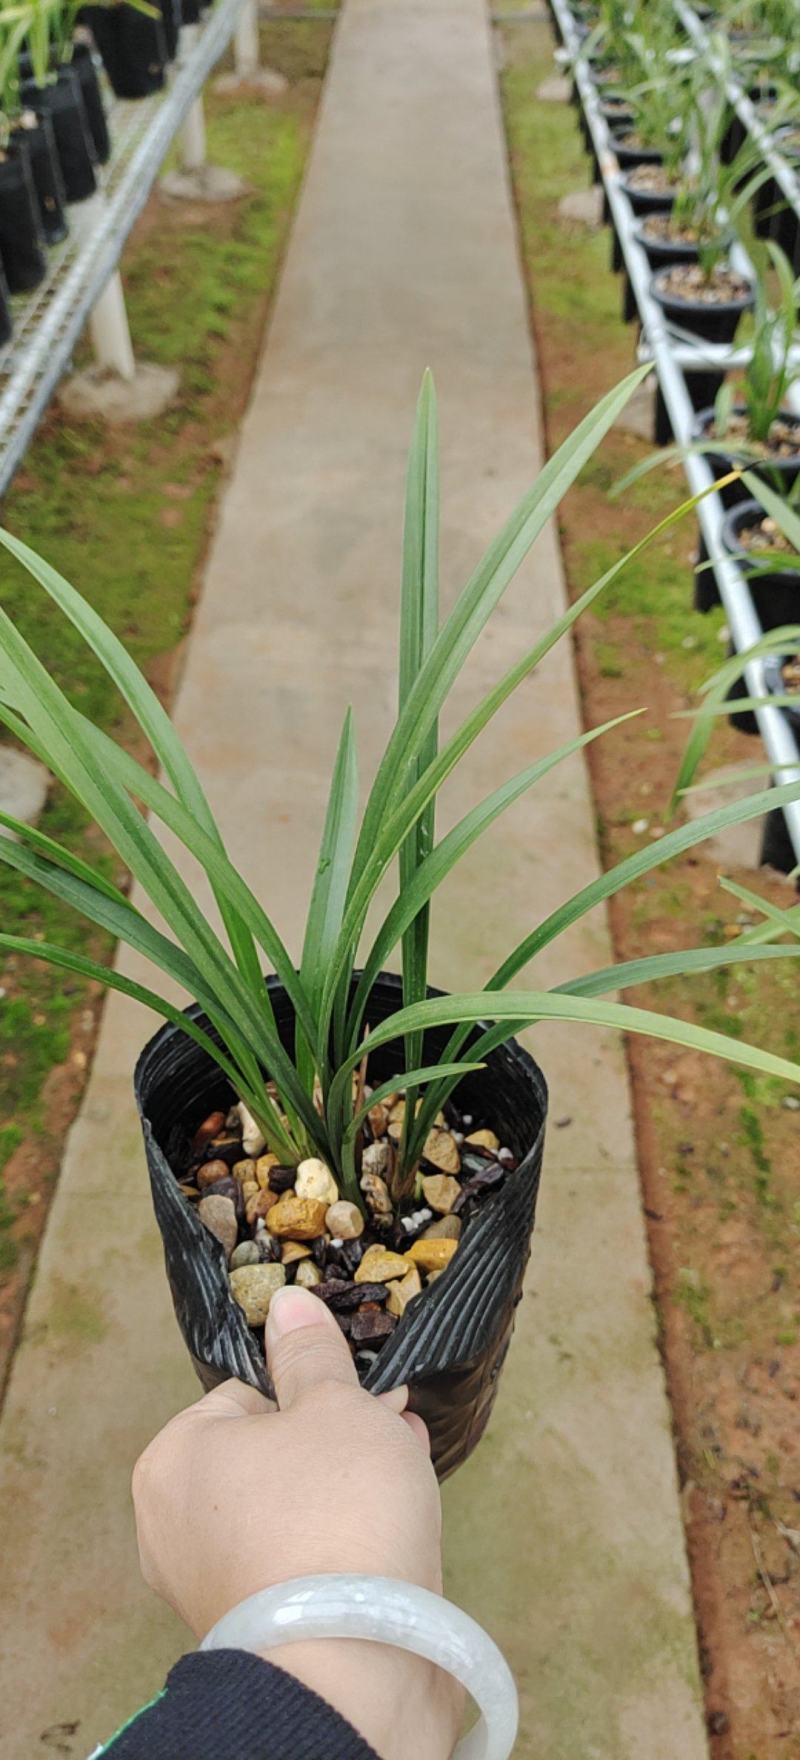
(400, 1703)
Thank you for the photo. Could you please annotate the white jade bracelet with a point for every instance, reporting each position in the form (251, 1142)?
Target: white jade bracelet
(385, 1611)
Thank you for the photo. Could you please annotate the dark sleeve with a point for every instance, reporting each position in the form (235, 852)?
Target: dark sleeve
(229, 1705)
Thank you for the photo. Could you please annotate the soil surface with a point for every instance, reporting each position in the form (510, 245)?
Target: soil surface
(719, 1150)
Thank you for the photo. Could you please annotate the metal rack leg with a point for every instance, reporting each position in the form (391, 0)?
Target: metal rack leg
(110, 332)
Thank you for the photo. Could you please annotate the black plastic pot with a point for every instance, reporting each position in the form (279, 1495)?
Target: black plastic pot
(646, 201)
(132, 46)
(83, 61)
(661, 252)
(450, 1344)
(627, 157)
(6, 321)
(773, 678)
(39, 146)
(615, 113)
(780, 473)
(714, 322)
(62, 101)
(171, 19)
(776, 594)
(21, 238)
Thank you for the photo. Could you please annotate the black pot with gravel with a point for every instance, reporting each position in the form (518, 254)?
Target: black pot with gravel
(648, 189)
(629, 151)
(777, 463)
(61, 99)
(663, 245)
(767, 559)
(34, 138)
(450, 1341)
(708, 306)
(21, 238)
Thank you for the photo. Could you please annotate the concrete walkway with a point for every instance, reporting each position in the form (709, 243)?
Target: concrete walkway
(563, 1533)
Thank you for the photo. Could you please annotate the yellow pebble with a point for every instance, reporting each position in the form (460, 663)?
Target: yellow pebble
(432, 1255)
(379, 1264)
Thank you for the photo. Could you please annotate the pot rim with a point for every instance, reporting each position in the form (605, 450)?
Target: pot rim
(741, 304)
(736, 516)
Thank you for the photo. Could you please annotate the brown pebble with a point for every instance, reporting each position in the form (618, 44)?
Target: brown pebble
(259, 1204)
(253, 1287)
(209, 1128)
(440, 1191)
(378, 1119)
(402, 1292)
(344, 1220)
(340, 1295)
(484, 1140)
(379, 1264)
(293, 1250)
(441, 1149)
(308, 1275)
(218, 1215)
(432, 1255)
(297, 1219)
(371, 1327)
(210, 1172)
(263, 1169)
(445, 1228)
(244, 1170)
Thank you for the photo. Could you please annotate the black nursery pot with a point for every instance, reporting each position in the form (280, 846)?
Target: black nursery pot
(776, 595)
(713, 322)
(83, 62)
(451, 1342)
(39, 146)
(647, 201)
(171, 19)
(63, 103)
(21, 239)
(627, 157)
(662, 252)
(780, 473)
(132, 46)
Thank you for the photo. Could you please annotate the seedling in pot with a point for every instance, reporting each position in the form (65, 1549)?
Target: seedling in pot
(303, 1117)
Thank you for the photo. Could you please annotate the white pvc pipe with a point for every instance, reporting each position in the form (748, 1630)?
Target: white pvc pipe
(110, 332)
(246, 53)
(193, 138)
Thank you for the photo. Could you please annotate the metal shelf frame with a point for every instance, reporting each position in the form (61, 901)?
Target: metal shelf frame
(673, 355)
(48, 323)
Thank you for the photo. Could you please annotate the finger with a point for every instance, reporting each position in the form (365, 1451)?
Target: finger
(233, 1399)
(396, 1398)
(304, 1345)
(419, 1430)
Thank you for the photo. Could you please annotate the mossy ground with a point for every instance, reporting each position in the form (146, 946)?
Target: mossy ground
(719, 1151)
(125, 515)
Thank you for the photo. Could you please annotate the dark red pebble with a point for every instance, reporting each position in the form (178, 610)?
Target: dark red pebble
(282, 1179)
(344, 1296)
(227, 1149)
(343, 1321)
(210, 1127)
(371, 1326)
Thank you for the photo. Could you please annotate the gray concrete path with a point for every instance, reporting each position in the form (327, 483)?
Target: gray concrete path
(563, 1533)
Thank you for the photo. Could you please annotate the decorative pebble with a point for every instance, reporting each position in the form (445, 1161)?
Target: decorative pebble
(253, 1138)
(396, 1119)
(441, 1191)
(344, 1221)
(263, 1169)
(484, 1140)
(297, 1219)
(402, 1292)
(505, 1155)
(218, 1215)
(432, 1255)
(253, 1287)
(243, 1170)
(308, 1275)
(315, 1180)
(375, 1160)
(379, 1264)
(291, 1251)
(371, 1326)
(445, 1228)
(209, 1128)
(210, 1172)
(378, 1120)
(376, 1193)
(247, 1253)
(441, 1150)
(258, 1203)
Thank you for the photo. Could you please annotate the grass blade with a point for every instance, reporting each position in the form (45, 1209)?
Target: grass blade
(328, 896)
(681, 963)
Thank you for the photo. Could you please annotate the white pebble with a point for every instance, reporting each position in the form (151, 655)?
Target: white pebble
(505, 1154)
(639, 826)
(458, 1137)
(338, 1241)
(408, 1223)
(467, 1118)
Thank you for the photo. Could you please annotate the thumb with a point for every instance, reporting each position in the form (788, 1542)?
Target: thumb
(304, 1345)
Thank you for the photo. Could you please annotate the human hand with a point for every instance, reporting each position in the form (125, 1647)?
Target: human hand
(234, 1496)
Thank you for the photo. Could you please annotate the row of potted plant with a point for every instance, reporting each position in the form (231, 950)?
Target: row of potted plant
(53, 126)
(671, 134)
